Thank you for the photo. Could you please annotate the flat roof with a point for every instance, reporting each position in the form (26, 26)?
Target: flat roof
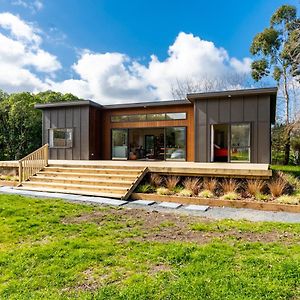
(230, 93)
(67, 103)
(148, 104)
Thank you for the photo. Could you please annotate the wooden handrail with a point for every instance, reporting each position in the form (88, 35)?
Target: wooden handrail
(33, 163)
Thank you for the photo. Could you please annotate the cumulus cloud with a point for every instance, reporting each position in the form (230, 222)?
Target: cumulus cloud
(22, 60)
(116, 77)
(34, 6)
(110, 77)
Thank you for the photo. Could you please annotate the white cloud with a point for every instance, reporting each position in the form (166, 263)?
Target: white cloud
(21, 56)
(115, 77)
(34, 6)
(110, 77)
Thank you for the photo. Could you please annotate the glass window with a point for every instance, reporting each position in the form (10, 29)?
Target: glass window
(119, 143)
(176, 143)
(61, 138)
(176, 116)
(120, 118)
(156, 117)
(240, 142)
(136, 118)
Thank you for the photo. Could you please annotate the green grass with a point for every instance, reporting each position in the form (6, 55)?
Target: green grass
(294, 170)
(51, 249)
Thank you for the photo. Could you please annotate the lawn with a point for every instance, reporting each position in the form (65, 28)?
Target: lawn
(51, 249)
(294, 170)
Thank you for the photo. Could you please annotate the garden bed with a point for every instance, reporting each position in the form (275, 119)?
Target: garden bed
(268, 206)
(8, 183)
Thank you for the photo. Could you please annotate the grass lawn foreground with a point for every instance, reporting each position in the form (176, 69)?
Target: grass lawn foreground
(52, 249)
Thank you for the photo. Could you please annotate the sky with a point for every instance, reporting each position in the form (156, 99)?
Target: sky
(114, 51)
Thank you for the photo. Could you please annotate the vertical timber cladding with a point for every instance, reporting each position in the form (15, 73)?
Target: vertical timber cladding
(188, 123)
(75, 117)
(254, 109)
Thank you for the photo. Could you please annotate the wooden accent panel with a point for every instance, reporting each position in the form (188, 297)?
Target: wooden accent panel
(188, 123)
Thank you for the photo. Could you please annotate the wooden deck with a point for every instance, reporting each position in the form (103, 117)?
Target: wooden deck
(239, 170)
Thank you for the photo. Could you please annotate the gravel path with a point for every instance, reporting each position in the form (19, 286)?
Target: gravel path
(212, 212)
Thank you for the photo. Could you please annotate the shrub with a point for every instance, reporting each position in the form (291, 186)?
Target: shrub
(229, 185)
(156, 180)
(164, 191)
(210, 184)
(171, 182)
(261, 197)
(286, 199)
(277, 187)
(231, 196)
(192, 184)
(291, 180)
(186, 193)
(145, 188)
(206, 194)
(255, 186)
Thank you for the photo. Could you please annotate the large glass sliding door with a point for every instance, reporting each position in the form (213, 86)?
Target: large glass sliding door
(119, 143)
(165, 143)
(175, 143)
(230, 142)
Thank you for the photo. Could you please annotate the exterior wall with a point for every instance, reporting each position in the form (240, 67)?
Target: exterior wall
(252, 109)
(188, 123)
(76, 117)
(95, 134)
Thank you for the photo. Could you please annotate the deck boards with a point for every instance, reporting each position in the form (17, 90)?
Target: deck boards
(242, 170)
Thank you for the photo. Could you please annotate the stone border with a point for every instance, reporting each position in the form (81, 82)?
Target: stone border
(267, 206)
(8, 183)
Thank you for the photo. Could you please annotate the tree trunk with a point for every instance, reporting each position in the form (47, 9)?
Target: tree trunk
(287, 144)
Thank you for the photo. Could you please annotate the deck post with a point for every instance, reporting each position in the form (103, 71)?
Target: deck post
(20, 172)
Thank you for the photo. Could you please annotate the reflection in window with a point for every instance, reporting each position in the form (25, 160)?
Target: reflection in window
(176, 116)
(61, 138)
(156, 117)
(136, 118)
(119, 143)
(240, 142)
(148, 117)
(175, 143)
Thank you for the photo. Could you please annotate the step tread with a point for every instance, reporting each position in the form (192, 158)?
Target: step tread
(95, 166)
(82, 186)
(61, 178)
(137, 170)
(75, 192)
(45, 172)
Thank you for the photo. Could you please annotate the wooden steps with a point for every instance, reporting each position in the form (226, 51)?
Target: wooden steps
(103, 181)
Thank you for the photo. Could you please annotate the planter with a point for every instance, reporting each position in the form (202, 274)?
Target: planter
(268, 206)
(8, 183)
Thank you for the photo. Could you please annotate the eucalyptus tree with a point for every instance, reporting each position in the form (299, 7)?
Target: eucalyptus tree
(277, 50)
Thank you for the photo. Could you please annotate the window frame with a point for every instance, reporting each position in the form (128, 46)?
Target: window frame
(51, 145)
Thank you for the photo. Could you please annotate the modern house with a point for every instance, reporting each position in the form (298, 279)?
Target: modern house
(226, 126)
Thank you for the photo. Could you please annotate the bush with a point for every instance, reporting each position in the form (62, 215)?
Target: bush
(286, 199)
(145, 188)
(277, 187)
(156, 180)
(261, 197)
(186, 193)
(210, 184)
(255, 186)
(192, 184)
(229, 186)
(171, 182)
(231, 196)
(164, 191)
(206, 194)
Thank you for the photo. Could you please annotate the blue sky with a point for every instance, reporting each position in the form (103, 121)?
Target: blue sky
(79, 33)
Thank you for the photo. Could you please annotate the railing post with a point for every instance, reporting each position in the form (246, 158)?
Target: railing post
(20, 172)
(46, 154)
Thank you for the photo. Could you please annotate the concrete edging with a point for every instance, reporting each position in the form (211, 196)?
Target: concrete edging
(219, 202)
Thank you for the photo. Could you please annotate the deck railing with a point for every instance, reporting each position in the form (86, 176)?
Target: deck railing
(33, 163)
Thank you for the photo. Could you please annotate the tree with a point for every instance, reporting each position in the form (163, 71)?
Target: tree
(21, 123)
(278, 54)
